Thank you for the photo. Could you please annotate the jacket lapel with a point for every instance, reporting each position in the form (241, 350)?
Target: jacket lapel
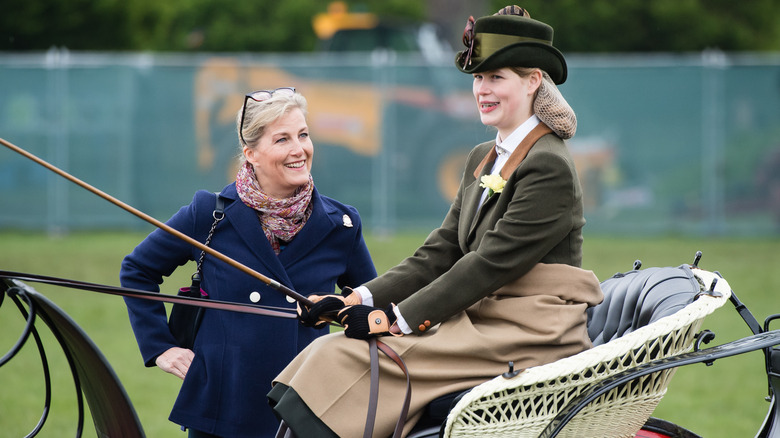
(471, 207)
(490, 157)
(247, 226)
(474, 212)
(522, 149)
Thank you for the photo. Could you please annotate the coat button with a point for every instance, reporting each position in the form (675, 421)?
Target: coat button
(290, 299)
(422, 327)
(427, 323)
(254, 296)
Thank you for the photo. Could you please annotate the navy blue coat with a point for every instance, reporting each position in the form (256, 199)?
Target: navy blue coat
(237, 355)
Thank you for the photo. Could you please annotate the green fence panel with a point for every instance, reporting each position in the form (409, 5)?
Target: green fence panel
(665, 143)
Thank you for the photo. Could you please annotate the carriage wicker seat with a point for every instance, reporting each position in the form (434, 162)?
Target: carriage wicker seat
(646, 315)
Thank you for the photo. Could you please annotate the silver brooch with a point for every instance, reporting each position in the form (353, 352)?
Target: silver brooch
(347, 221)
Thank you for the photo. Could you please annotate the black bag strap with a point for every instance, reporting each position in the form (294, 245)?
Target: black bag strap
(218, 215)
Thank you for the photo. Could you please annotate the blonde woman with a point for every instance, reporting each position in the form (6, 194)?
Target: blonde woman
(275, 222)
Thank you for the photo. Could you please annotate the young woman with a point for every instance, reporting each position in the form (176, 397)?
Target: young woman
(499, 281)
(276, 223)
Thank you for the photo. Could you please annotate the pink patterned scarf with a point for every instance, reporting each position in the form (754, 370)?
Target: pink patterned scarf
(281, 218)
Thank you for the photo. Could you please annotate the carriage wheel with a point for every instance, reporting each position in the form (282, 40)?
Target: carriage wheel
(657, 428)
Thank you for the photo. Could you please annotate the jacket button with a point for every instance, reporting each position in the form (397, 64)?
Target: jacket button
(422, 327)
(254, 296)
(290, 299)
(427, 323)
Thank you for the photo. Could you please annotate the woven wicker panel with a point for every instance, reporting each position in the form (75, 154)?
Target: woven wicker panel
(524, 405)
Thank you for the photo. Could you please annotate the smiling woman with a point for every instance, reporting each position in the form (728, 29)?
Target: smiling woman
(274, 221)
(282, 157)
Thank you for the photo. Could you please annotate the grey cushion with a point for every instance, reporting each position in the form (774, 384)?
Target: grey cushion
(636, 298)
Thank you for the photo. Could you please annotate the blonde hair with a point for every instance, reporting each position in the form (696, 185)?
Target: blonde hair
(524, 72)
(261, 114)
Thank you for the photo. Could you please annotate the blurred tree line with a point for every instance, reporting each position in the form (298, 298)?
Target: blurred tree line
(286, 26)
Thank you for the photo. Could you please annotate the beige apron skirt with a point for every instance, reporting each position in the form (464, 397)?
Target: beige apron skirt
(537, 319)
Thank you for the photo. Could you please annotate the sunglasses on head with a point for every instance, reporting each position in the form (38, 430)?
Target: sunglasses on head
(259, 96)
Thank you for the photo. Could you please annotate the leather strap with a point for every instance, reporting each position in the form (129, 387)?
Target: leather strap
(399, 426)
(373, 344)
(256, 309)
(373, 396)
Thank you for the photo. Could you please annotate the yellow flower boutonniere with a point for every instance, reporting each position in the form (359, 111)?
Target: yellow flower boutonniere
(494, 184)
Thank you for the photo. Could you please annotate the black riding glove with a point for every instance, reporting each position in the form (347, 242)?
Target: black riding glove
(325, 308)
(363, 322)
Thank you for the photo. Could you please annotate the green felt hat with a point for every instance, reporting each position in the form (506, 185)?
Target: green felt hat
(498, 41)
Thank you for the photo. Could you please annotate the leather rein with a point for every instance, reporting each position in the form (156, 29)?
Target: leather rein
(373, 399)
(279, 312)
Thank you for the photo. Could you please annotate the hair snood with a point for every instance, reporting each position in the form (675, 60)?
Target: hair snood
(553, 110)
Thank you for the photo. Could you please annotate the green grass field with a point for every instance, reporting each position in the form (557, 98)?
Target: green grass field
(724, 400)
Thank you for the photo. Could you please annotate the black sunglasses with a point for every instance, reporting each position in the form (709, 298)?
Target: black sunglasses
(259, 96)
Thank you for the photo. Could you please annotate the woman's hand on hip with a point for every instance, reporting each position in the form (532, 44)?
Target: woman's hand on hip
(175, 361)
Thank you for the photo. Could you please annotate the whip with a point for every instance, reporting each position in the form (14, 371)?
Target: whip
(268, 281)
